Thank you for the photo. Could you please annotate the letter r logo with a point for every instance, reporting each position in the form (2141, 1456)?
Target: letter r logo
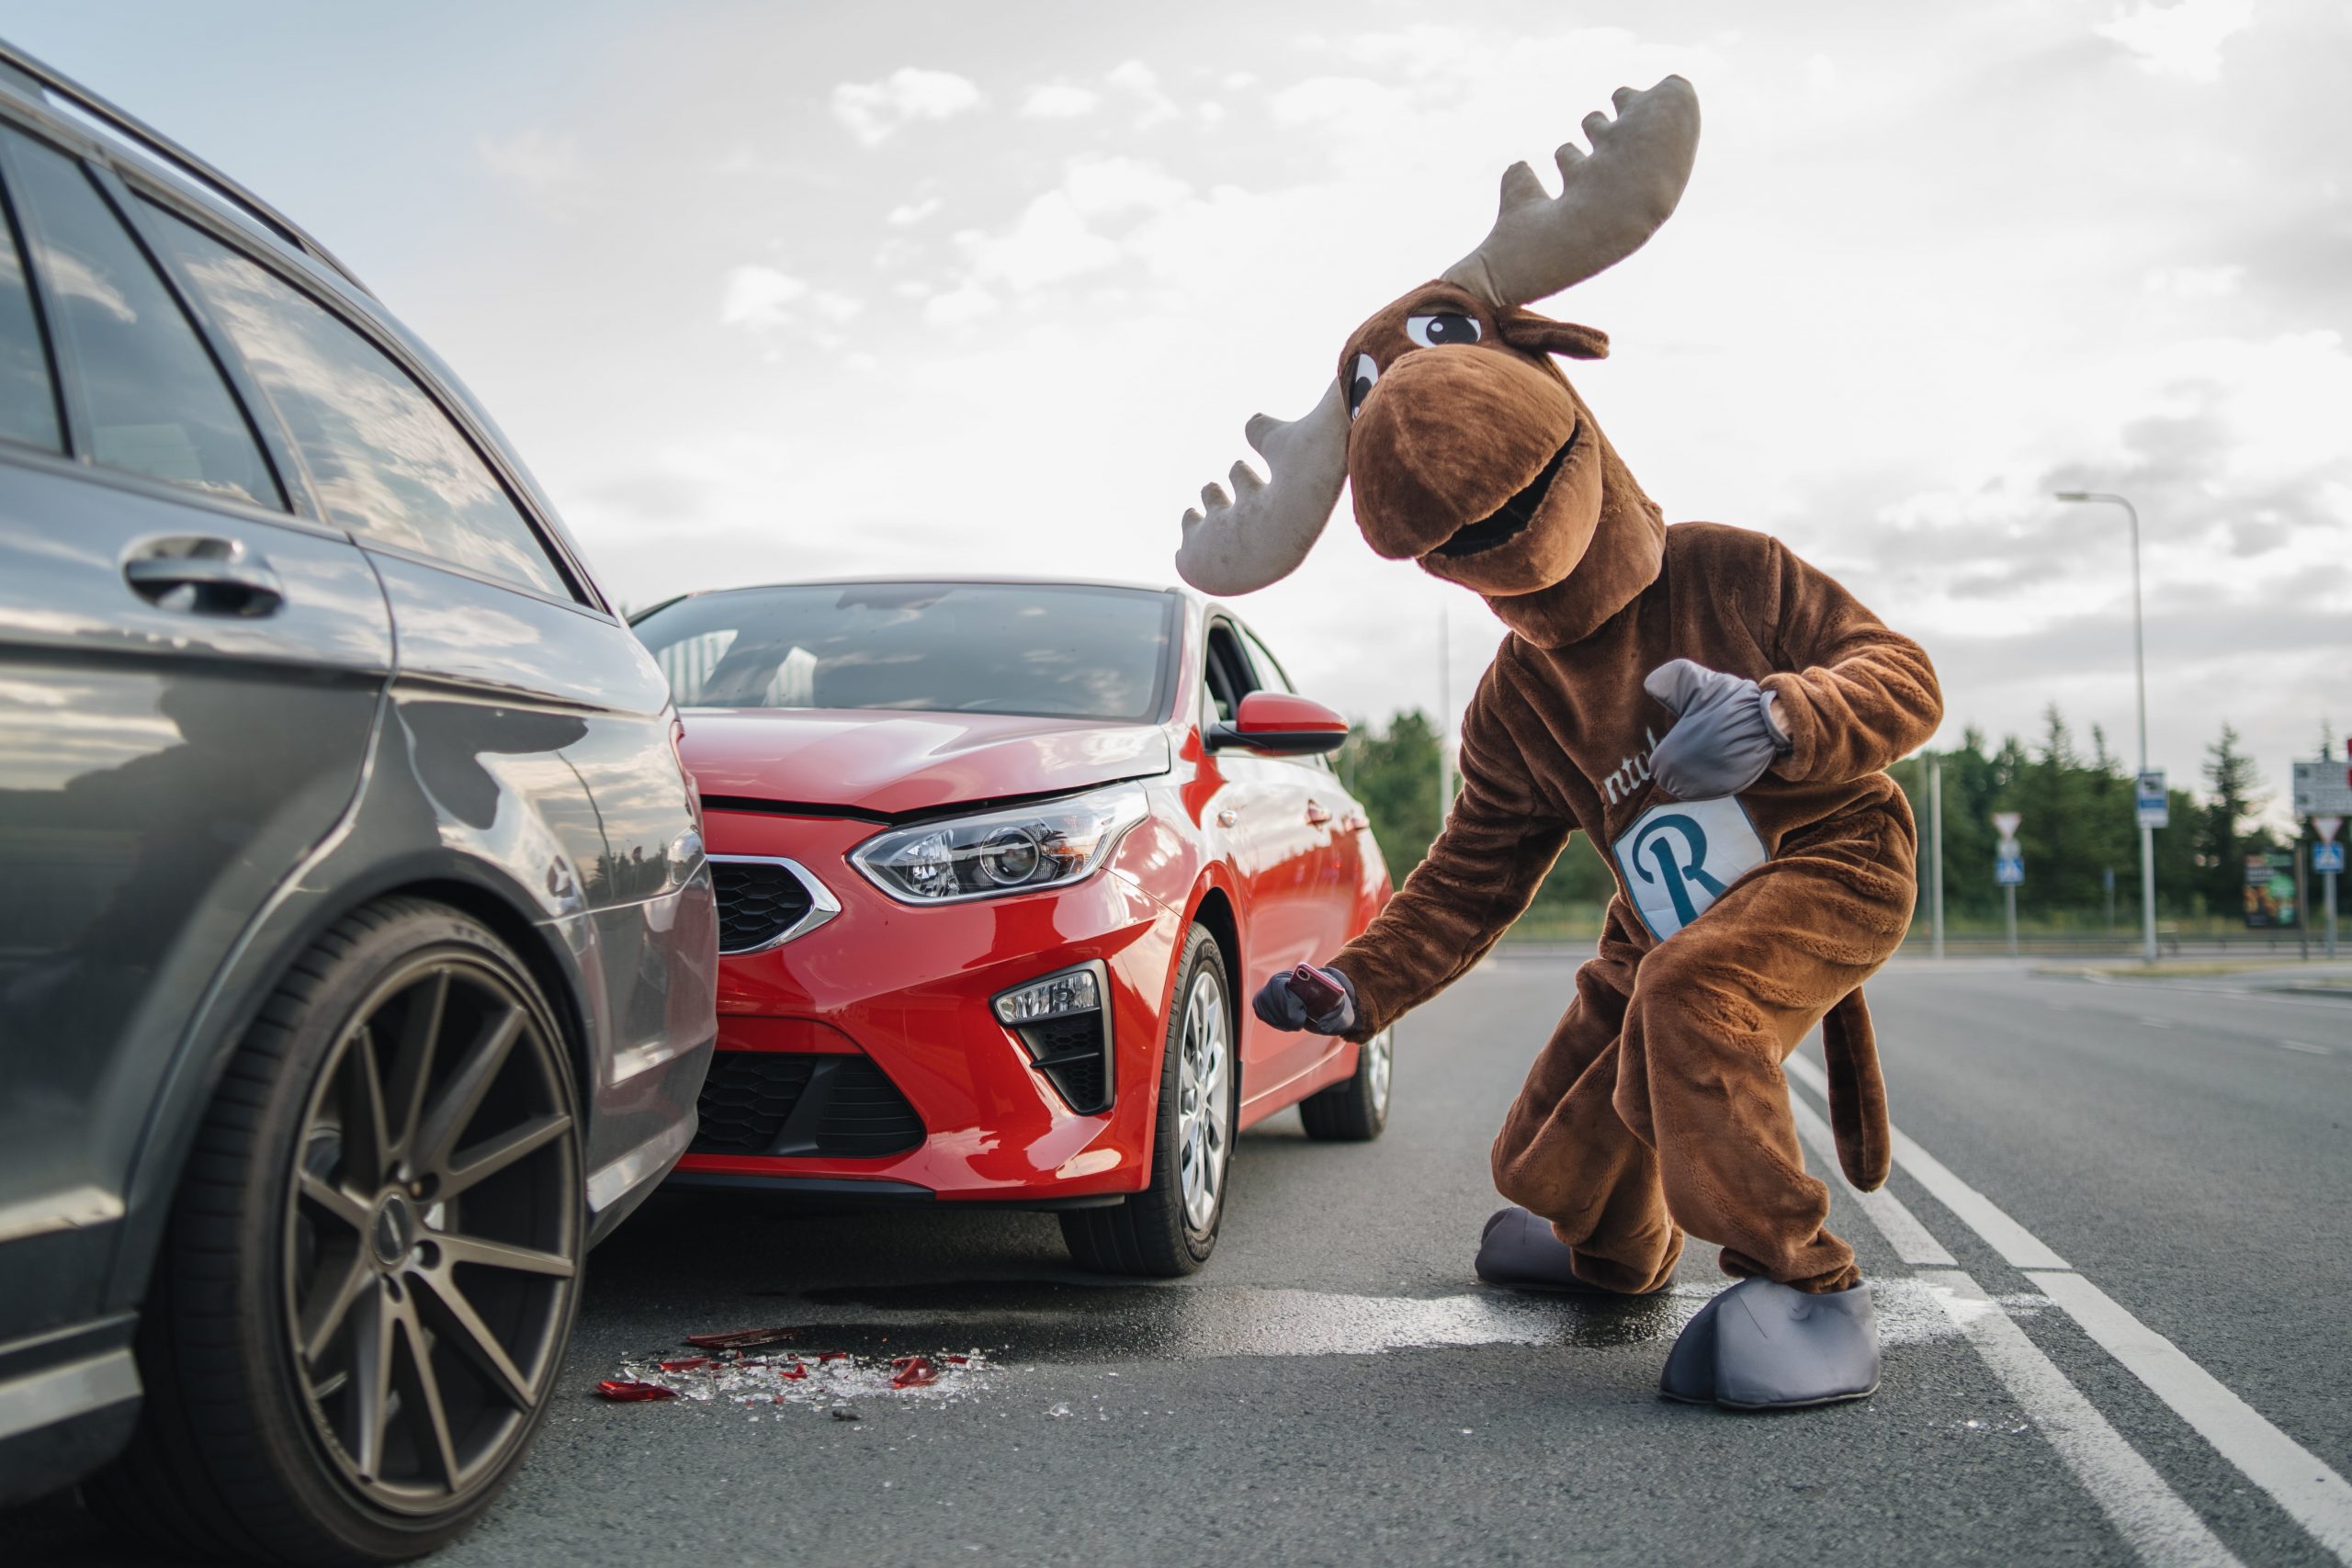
(1677, 859)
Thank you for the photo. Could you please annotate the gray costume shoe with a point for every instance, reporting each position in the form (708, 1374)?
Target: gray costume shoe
(1763, 1345)
(1521, 1251)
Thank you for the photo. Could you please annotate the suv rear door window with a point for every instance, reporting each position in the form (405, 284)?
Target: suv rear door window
(27, 397)
(386, 462)
(157, 403)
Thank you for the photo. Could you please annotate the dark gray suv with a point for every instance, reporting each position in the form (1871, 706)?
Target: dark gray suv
(356, 945)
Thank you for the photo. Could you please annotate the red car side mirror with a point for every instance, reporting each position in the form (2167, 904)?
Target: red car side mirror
(1280, 723)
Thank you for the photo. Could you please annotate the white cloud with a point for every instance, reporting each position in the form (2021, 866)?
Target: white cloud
(2182, 39)
(1049, 242)
(1334, 100)
(1418, 50)
(536, 158)
(873, 111)
(763, 298)
(1059, 100)
(1141, 83)
(1099, 187)
(2195, 282)
(756, 296)
(910, 212)
(958, 306)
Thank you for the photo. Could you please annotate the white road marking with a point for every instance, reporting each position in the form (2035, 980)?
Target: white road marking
(2145, 1511)
(2306, 1050)
(1902, 1231)
(2150, 1516)
(2318, 1497)
(2018, 1246)
(2314, 1496)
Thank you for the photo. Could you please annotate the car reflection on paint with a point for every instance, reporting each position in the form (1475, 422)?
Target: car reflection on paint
(999, 864)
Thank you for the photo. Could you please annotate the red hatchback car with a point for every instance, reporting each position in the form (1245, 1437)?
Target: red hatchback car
(997, 864)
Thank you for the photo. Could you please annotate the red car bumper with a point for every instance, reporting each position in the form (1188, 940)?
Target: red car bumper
(909, 990)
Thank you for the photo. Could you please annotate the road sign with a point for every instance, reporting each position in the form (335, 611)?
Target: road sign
(2325, 827)
(2154, 806)
(2327, 859)
(2324, 788)
(2009, 871)
(2007, 822)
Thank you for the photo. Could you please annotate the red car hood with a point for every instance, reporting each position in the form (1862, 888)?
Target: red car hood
(873, 760)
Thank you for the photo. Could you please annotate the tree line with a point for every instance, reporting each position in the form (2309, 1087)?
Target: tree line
(2079, 826)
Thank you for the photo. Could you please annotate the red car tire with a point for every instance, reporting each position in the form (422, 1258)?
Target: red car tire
(1169, 1228)
(1354, 1109)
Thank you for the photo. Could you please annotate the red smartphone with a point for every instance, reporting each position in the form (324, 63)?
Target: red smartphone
(1319, 995)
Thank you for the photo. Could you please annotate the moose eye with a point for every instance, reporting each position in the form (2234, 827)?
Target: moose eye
(1437, 331)
(1359, 383)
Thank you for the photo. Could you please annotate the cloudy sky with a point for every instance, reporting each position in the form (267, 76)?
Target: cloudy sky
(767, 290)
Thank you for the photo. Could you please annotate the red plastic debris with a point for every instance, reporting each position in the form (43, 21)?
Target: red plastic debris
(913, 1371)
(832, 1355)
(689, 1364)
(741, 1338)
(794, 1372)
(626, 1392)
(957, 1361)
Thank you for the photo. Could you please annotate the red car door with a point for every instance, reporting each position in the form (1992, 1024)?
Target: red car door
(1297, 911)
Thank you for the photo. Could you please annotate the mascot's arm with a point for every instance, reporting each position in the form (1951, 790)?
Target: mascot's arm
(1500, 838)
(1859, 696)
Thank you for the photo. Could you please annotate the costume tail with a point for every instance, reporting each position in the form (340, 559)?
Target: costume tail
(1857, 1093)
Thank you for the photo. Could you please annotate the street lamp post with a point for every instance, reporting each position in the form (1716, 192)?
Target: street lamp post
(2140, 671)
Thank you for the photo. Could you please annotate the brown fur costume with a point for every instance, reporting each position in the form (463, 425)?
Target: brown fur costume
(1658, 1106)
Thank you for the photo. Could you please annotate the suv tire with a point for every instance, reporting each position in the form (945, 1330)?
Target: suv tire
(306, 1248)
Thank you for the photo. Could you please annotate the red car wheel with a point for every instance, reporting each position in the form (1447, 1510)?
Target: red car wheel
(1169, 1227)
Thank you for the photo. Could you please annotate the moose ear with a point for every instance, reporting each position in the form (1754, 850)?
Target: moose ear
(1540, 334)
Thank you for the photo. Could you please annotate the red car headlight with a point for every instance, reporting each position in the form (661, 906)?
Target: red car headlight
(1021, 850)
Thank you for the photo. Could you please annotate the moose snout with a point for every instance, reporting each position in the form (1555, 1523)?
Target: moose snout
(1447, 437)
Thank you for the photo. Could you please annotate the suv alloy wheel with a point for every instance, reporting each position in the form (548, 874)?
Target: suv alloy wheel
(373, 1261)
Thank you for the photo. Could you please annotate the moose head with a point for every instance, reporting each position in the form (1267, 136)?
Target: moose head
(1468, 449)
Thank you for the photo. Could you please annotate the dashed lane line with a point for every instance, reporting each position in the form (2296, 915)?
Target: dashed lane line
(2311, 1491)
(2153, 1519)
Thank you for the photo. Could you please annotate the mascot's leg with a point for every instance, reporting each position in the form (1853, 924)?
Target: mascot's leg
(1591, 1213)
(1716, 1009)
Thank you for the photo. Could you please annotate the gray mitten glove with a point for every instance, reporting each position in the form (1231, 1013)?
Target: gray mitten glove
(1278, 1002)
(1723, 736)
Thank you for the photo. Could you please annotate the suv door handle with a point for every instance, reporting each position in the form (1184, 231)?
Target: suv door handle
(1317, 814)
(205, 577)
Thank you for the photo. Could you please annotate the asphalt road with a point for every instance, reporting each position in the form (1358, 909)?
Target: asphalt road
(2148, 1183)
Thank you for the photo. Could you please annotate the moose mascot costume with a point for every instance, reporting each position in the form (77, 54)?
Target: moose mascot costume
(1714, 711)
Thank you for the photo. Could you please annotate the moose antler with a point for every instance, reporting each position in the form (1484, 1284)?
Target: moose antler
(1264, 530)
(1609, 202)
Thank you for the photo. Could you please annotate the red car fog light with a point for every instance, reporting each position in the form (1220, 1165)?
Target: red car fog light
(1063, 1021)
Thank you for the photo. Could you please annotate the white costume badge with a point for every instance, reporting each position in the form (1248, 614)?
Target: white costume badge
(1677, 858)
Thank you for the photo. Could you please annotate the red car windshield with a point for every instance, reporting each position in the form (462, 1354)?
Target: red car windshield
(1044, 649)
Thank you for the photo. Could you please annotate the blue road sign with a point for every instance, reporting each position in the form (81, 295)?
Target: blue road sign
(2009, 871)
(2327, 857)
